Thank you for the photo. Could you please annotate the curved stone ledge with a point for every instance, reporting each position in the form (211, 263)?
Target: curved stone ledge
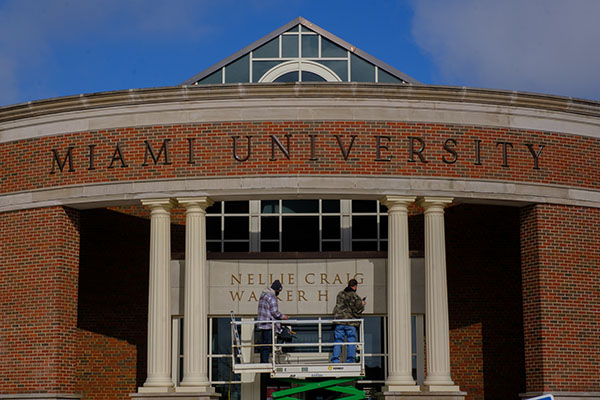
(253, 102)
(286, 187)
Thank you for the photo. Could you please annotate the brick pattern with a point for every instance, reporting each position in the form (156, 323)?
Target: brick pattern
(39, 259)
(484, 300)
(565, 160)
(561, 290)
(113, 304)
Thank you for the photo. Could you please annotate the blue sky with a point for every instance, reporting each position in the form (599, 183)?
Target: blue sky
(53, 48)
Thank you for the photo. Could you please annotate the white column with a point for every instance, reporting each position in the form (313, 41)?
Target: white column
(437, 328)
(195, 326)
(159, 310)
(398, 296)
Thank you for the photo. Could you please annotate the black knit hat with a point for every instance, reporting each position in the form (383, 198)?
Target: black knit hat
(276, 285)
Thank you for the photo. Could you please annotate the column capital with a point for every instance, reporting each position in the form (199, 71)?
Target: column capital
(390, 201)
(164, 203)
(201, 201)
(434, 202)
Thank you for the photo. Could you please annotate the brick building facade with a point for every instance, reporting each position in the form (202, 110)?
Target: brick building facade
(518, 176)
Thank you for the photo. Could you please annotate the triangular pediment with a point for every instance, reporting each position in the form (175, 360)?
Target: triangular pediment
(300, 51)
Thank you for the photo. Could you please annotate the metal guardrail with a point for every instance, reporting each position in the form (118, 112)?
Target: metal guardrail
(285, 362)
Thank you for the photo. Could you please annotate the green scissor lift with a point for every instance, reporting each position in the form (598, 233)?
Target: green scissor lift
(305, 374)
(334, 385)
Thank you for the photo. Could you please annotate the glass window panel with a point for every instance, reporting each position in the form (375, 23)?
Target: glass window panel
(221, 336)
(364, 246)
(221, 370)
(295, 29)
(214, 209)
(363, 227)
(237, 207)
(305, 334)
(213, 228)
(382, 208)
(331, 227)
(310, 46)
(304, 29)
(330, 49)
(361, 70)
(269, 206)
(214, 247)
(215, 77)
(237, 246)
(289, 46)
(288, 77)
(269, 227)
(236, 228)
(374, 368)
(269, 246)
(308, 76)
(339, 67)
(330, 206)
(238, 71)
(229, 391)
(300, 206)
(373, 327)
(331, 246)
(361, 206)
(383, 246)
(383, 226)
(268, 50)
(385, 77)
(259, 68)
(300, 234)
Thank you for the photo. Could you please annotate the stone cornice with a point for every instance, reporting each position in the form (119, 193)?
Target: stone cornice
(134, 97)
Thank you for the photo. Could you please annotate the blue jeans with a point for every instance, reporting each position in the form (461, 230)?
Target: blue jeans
(265, 337)
(344, 332)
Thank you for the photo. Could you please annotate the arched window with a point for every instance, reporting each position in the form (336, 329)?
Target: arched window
(300, 71)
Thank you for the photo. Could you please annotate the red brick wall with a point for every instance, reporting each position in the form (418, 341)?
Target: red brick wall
(113, 304)
(566, 159)
(560, 251)
(39, 259)
(485, 303)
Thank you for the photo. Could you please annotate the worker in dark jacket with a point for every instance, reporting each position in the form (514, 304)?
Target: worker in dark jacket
(348, 305)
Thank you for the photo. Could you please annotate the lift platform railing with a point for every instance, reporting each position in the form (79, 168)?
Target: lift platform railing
(286, 361)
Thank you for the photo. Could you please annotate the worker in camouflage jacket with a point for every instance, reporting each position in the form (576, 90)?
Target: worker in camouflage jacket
(348, 305)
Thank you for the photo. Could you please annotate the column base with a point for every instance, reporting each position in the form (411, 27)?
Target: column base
(400, 388)
(195, 389)
(156, 389)
(440, 388)
(389, 395)
(176, 396)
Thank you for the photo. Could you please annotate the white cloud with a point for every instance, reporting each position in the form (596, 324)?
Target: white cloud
(547, 46)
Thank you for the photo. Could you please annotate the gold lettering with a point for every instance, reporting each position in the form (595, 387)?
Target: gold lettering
(260, 279)
(291, 279)
(306, 278)
(238, 278)
(290, 295)
(301, 295)
(337, 279)
(252, 296)
(324, 278)
(236, 296)
(250, 279)
(326, 294)
(360, 277)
